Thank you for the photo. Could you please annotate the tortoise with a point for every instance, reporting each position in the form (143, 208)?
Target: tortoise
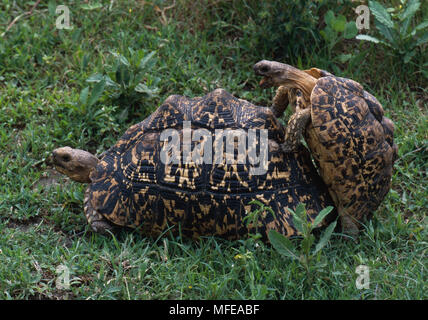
(345, 129)
(134, 184)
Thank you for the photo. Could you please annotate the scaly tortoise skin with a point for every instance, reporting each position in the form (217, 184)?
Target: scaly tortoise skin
(130, 186)
(344, 127)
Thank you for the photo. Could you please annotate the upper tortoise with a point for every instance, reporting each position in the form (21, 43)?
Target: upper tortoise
(131, 185)
(350, 139)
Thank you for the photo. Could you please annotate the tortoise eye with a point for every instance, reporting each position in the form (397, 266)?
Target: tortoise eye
(264, 69)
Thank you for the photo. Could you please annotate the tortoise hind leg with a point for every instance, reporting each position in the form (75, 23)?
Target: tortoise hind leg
(349, 225)
(97, 221)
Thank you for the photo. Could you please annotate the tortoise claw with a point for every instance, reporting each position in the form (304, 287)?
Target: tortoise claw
(102, 227)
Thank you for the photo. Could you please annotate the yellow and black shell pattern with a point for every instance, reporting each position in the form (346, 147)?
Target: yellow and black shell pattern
(352, 144)
(133, 187)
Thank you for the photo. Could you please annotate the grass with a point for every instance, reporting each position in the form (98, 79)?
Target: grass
(42, 72)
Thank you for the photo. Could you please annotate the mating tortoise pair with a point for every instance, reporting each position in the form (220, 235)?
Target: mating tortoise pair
(132, 185)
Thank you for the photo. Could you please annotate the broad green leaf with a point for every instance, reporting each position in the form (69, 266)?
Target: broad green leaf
(123, 115)
(110, 82)
(411, 8)
(299, 225)
(300, 210)
(139, 77)
(307, 243)
(422, 39)
(329, 18)
(408, 56)
(344, 57)
(91, 6)
(325, 237)
(339, 23)
(367, 38)
(122, 75)
(388, 33)
(299, 218)
(96, 77)
(329, 35)
(142, 88)
(85, 61)
(381, 14)
(51, 7)
(406, 17)
(121, 58)
(84, 96)
(96, 92)
(146, 59)
(404, 27)
(282, 244)
(351, 30)
(320, 217)
(422, 25)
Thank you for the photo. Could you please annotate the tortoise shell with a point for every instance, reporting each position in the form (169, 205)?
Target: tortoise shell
(131, 185)
(352, 144)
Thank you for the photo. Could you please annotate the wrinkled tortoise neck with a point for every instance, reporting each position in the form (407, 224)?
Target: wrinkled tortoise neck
(298, 79)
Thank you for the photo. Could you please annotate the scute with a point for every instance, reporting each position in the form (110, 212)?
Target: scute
(215, 111)
(374, 105)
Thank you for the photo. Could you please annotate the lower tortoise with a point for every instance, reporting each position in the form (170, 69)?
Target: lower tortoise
(138, 183)
(344, 127)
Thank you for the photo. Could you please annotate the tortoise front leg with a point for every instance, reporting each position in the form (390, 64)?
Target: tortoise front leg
(280, 101)
(97, 221)
(295, 127)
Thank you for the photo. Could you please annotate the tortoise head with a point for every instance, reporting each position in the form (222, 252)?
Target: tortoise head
(277, 74)
(76, 164)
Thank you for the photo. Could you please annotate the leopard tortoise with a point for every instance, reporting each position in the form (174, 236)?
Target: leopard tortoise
(131, 185)
(344, 127)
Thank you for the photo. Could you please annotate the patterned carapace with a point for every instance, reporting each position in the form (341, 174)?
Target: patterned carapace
(350, 139)
(132, 187)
